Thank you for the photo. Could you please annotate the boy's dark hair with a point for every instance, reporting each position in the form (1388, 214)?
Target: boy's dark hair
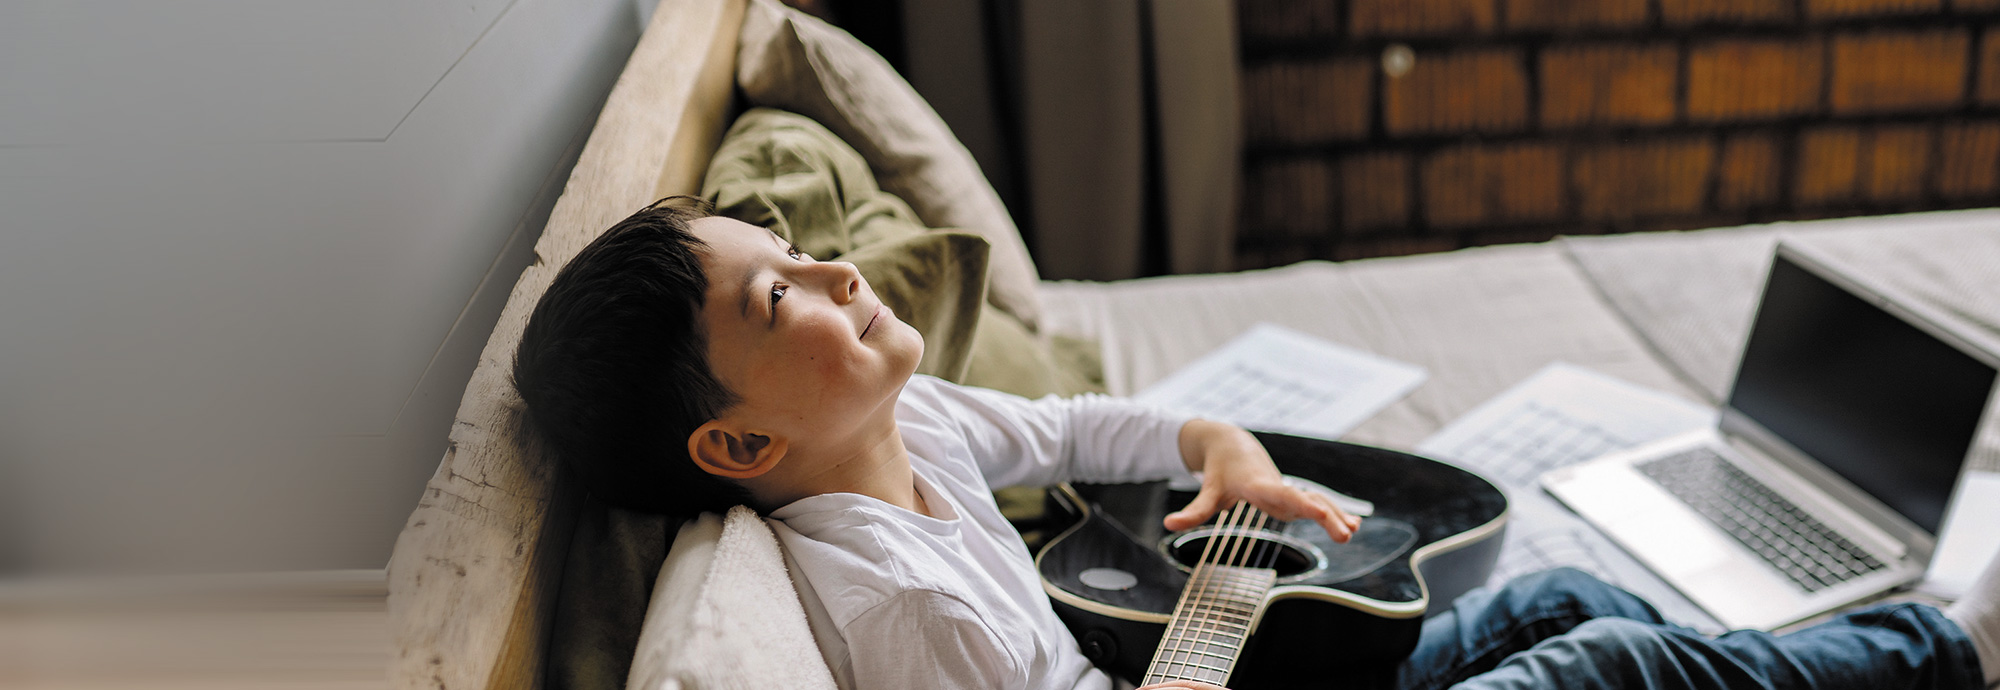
(613, 365)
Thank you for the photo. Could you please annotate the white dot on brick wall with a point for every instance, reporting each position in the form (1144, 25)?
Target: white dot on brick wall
(1397, 59)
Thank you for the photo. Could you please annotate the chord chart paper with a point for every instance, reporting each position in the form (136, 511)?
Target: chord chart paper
(1564, 415)
(1535, 438)
(1275, 379)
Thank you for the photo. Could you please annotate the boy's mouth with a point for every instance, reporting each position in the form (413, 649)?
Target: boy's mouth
(871, 321)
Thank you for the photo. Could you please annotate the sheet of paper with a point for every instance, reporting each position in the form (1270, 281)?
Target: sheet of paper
(1971, 537)
(1562, 415)
(1275, 379)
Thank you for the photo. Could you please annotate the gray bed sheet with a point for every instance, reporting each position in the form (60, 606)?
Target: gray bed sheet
(1480, 320)
(1664, 310)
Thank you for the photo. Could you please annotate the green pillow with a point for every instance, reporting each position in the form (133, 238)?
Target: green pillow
(935, 281)
(786, 172)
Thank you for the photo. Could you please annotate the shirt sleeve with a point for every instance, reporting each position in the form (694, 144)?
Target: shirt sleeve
(1088, 438)
(921, 640)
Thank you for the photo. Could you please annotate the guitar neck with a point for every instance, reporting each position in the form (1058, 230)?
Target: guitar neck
(1211, 624)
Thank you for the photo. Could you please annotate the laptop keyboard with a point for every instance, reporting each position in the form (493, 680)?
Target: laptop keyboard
(1790, 539)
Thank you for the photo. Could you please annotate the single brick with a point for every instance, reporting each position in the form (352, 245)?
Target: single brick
(1898, 159)
(1272, 256)
(1288, 19)
(1477, 184)
(1422, 17)
(1513, 236)
(1748, 79)
(1609, 84)
(1828, 166)
(1723, 12)
(1969, 161)
(1988, 86)
(1449, 93)
(1307, 102)
(1375, 191)
(1291, 197)
(1748, 175)
(1562, 15)
(1841, 9)
(1650, 178)
(1974, 5)
(1392, 246)
(1892, 71)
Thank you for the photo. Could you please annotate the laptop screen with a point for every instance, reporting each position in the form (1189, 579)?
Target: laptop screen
(1878, 400)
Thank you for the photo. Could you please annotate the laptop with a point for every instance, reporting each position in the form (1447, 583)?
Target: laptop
(1828, 475)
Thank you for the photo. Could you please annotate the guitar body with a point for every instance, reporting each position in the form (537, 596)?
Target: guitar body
(1336, 608)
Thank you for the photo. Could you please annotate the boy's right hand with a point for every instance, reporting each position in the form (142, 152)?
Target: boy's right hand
(1235, 467)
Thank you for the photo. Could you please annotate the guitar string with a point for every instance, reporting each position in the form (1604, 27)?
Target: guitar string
(1233, 535)
(1180, 607)
(1247, 538)
(1263, 554)
(1192, 596)
(1213, 577)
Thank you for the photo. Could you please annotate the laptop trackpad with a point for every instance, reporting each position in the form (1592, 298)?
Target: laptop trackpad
(1682, 547)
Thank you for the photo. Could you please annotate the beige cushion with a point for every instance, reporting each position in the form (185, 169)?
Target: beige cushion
(791, 61)
(724, 614)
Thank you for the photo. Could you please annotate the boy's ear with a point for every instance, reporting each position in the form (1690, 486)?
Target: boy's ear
(724, 450)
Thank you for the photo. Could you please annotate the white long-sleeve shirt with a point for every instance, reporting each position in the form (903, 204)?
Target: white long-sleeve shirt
(902, 600)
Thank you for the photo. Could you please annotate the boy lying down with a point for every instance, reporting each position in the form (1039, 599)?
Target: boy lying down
(684, 362)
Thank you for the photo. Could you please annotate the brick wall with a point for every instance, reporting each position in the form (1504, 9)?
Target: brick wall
(1378, 127)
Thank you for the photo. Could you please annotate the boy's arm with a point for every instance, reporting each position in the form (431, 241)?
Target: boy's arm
(1235, 467)
(1020, 442)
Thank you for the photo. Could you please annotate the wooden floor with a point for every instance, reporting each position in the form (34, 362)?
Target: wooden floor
(302, 631)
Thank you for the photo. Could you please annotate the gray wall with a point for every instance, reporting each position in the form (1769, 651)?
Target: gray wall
(249, 251)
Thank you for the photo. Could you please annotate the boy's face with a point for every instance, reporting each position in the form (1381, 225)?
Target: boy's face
(805, 344)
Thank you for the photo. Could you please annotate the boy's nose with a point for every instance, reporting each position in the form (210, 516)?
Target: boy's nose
(845, 281)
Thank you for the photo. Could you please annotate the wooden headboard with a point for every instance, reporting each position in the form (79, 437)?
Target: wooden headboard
(473, 579)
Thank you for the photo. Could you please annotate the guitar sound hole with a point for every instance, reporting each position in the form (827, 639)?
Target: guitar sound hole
(1278, 552)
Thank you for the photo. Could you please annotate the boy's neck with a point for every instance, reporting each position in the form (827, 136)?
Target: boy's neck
(873, 463)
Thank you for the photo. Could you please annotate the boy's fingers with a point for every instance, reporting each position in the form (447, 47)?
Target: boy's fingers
(1337, 524)
(1299, 504)
(1194, 512)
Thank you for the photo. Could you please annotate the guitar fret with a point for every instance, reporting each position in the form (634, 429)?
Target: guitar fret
(1244, 613)
(1205, 667)
(1183, 645)
(1224, 657)
(1184, 671)
(1239, 599)
(1218, 625)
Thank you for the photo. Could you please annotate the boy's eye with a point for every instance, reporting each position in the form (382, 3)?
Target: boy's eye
(777, 293)
(793, 251)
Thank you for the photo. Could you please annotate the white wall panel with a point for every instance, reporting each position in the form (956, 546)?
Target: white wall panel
(248, 254)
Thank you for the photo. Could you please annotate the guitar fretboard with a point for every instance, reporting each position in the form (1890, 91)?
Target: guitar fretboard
(1207, 633)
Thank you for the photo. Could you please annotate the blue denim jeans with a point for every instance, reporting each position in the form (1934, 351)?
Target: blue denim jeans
(1566, 629)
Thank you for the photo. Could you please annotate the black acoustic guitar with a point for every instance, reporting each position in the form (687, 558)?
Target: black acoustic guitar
(1253, 602)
